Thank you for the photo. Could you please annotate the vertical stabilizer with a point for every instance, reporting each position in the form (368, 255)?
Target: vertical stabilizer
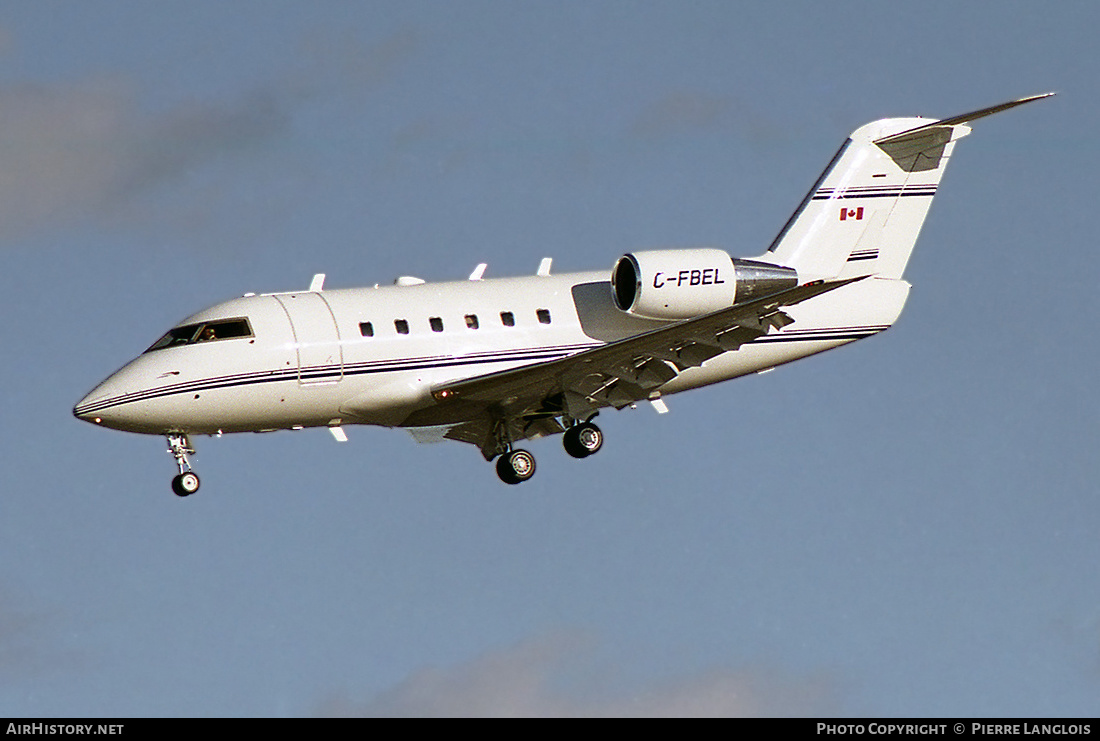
(864, 213)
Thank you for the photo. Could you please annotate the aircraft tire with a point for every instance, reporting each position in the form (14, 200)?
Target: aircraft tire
(185, 484)
(581, 441)
(516, 467)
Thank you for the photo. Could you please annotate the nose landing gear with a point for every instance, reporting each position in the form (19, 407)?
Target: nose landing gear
(187, 482)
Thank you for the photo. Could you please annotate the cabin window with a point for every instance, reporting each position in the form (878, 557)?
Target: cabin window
(508, 319)
(543, 315)
(366, 329)
(223, 329)
(471, 321)
(436, 324)
(401, 326)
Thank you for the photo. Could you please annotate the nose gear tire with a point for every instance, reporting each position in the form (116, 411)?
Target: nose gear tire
(185, 484)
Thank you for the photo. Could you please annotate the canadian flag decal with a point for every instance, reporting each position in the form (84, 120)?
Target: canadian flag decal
(851, 213)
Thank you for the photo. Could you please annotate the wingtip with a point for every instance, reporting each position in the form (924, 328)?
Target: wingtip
(1032, 98)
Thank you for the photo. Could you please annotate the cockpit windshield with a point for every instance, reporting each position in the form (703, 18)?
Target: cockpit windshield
(222, 329)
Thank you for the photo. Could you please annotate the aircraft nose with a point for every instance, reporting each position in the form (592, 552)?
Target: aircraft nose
(80, 411)
(110, 404)
(92, 407)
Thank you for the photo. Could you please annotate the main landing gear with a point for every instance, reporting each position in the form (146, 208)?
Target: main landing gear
(515, 466)
(187, 482)
(580, 441)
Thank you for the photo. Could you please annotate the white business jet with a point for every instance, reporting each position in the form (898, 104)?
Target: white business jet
(493, 362)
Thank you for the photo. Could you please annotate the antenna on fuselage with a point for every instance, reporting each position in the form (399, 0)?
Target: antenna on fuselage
(317, 284)
(479, 271)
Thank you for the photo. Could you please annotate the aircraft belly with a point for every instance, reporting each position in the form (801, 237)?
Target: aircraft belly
(748, 359)
(384, 401)
(823, 323)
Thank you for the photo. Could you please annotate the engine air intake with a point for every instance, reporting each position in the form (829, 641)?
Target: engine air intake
(680, 284)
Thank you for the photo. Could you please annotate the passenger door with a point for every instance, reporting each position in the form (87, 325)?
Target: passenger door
(316, 337)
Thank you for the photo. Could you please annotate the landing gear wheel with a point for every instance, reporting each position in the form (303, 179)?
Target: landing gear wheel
(516, 467)
(185, 484)
(581, 441)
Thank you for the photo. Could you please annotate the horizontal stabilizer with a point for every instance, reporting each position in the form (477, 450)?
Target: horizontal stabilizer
(966, 117)
(920, 149)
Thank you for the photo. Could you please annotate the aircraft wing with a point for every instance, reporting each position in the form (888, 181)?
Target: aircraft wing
(525, 402)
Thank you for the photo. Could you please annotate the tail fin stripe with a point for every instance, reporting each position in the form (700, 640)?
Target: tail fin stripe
(879, 188)
(863, 255)
(892, 194)
(875, 192)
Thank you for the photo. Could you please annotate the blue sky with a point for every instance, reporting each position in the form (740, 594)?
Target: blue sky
(903, 527)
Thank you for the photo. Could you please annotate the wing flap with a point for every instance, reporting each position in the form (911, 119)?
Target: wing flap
(616, 374)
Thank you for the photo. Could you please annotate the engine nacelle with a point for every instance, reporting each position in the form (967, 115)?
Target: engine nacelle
(680, 284)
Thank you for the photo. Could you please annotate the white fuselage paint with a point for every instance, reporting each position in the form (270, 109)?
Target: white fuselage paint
(308, 363)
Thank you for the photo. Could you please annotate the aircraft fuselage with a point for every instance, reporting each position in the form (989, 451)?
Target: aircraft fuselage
(371, 355)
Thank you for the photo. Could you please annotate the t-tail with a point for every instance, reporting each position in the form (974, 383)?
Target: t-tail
(863, 215)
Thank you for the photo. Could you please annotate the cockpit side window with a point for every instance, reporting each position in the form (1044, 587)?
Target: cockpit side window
(189, 334)
(175, 337)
